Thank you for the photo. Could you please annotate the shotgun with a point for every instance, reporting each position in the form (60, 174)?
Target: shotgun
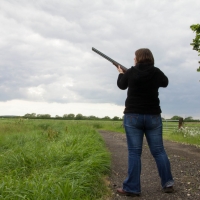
(110, 59)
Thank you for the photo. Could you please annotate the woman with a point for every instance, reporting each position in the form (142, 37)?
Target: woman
(142, 116)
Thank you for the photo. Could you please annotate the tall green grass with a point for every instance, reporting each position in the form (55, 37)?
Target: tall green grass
(59, 160)
(49, 159)
(114, 126)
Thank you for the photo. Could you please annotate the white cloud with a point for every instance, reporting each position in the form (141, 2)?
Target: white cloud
(45, 50)
(21, 107)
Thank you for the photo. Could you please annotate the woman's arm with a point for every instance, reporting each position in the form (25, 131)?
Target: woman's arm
(163, 80)
(122, 81)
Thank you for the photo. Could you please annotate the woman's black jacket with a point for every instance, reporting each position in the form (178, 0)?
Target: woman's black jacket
(143, 82)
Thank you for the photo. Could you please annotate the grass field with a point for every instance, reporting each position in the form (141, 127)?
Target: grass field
(51, 160)
(62, 160)
(190, 134)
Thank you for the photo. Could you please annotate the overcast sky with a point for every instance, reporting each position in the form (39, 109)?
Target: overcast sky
(47, 65)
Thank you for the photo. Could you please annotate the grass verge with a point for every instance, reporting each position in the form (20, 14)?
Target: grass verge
(41, 159)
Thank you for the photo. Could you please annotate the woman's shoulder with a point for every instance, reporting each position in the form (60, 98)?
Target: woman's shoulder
(130, 71)
(131, 68)
(158, 70)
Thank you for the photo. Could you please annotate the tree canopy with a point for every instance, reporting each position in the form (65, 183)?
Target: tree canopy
(176, 117)
(71, 116)
(196, 40)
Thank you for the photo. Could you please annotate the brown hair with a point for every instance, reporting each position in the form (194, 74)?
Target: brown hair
(144, 56)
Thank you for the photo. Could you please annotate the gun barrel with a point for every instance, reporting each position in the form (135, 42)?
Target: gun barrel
(109, 59)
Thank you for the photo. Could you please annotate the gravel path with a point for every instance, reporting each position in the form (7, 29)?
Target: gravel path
(185, 164)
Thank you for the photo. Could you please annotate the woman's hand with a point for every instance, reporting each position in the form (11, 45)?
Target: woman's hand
(120, 70)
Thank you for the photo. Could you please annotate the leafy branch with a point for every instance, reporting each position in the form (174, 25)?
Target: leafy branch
(196, 40)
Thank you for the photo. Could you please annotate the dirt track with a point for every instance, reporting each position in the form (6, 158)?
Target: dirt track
(185, 164)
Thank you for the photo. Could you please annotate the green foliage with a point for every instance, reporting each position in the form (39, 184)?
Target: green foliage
(106, 118)
(51, 159)
(114, 126)
(115, 118)
(32, 115)
(65, 116)
(176, 117)
(69, 116)
(58, 117)
(44, 116)
(92, 117)
(190, 118)
(79, 117)
(98, 125)
(196, 41)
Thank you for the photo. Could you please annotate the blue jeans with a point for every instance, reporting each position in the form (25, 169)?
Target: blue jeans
(136, 125)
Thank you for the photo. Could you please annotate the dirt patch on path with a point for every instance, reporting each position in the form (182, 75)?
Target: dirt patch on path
(185, 164)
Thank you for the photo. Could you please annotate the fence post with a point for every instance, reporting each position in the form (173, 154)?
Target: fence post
(180, 123)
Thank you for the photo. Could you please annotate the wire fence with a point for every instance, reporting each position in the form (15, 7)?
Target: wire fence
(172, 125)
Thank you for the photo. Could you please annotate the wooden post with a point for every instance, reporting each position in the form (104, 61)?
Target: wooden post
(180, 123)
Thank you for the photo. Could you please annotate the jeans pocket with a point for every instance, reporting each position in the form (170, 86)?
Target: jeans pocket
(156, 119)
(130, 119)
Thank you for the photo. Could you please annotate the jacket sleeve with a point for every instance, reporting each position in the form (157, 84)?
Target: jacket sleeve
(122, 81)
(163, 80)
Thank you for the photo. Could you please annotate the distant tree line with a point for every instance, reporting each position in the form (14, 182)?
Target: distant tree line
(186, 119)
(91, 117)
(70, 117)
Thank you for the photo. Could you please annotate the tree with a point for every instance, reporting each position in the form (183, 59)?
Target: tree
(65, 116)
(106, 118)
(176, 117)
(92, 117)
(188, 118)
(70, 116)
(27, 115)
(115, 118)
(44, 116)
(196, 40)
(32, 115)
(79, 117)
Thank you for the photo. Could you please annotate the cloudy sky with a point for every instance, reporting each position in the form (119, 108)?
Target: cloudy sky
(47, 65)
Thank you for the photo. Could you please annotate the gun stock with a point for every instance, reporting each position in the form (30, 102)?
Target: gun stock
(110, 59)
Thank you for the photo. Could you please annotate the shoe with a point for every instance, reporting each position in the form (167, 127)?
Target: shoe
(120, 191)
(168, 189)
